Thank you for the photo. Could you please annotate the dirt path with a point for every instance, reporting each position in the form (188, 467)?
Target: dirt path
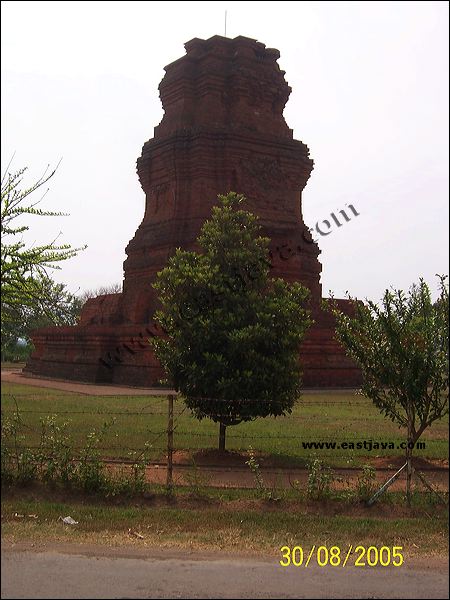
(234, 477)
(16, 376)
(93, 572)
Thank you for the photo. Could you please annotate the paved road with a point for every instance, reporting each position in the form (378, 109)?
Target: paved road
(55, 574)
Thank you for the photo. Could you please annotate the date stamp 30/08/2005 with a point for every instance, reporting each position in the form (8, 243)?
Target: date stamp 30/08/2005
(358, 556)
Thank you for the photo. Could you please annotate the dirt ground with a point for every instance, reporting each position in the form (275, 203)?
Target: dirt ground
(230, 471)
(16, 376)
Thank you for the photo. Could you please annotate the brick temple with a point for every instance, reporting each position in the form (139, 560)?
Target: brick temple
(223, 130)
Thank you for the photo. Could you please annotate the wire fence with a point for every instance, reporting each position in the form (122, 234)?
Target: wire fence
(166, 430)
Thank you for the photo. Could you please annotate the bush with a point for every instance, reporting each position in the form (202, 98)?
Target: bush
(16, 353)
(55, 456)
(55, 460)
(263, 490)
(320, 480)
(17, 461)
(366, 485)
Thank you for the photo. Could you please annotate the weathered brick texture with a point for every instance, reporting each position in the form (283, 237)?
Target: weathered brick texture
(223, 130)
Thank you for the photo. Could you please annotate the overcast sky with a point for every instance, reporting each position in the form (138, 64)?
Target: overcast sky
(370, 99)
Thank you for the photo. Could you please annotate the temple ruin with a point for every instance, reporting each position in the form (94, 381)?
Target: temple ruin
(223, 130)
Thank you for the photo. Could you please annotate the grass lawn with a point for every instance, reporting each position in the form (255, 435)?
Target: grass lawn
(12, 366)
(139, 419)
(238, 525)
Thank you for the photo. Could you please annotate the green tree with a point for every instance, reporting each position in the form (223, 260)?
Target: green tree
(402, 349)
(26, 286)
(232, 333)
(57, 307)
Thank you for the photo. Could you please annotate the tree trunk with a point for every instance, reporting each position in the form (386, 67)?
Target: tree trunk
(408, 467)
(222, 430)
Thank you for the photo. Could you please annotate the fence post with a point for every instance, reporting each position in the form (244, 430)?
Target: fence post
(170, 443)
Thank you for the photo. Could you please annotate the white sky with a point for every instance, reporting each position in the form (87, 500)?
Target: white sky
(370, 99)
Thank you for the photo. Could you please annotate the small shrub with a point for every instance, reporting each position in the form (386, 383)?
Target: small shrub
(26, 468)
(131, 481)
(263, 491)
(320, 480)
(197, 480)
(7, 465)
(138, 481)
(18, 463)
(56, 462)
(366, 484)
(90, 473)
(55, 456)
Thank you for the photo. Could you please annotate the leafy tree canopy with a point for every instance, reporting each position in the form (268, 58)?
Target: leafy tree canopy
(233, 333)
(27, 290)
(402, 349)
